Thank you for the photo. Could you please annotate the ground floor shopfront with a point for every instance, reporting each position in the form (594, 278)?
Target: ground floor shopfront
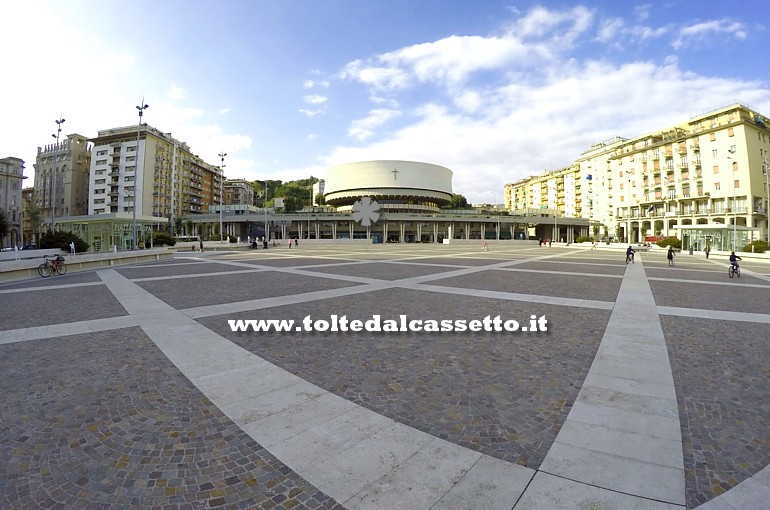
(390, 228)
(114, 231)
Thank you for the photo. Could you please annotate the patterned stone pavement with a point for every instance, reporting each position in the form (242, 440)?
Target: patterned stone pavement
(103, 419)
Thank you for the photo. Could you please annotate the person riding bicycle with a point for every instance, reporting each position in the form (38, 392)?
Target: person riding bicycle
(734, 261)
(630, 254)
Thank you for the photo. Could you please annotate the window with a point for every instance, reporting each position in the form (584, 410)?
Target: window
(128, 178)
(714, 153)
(98, 211)
(99, 181)
(101, 161)
(737, 183)
(101, 153)
(131, 149)
(730, 132)
(100, 172)
(99, 191)
(716, 186)
(712, 136)
(131, 158)
(716, 169)
(99, 201)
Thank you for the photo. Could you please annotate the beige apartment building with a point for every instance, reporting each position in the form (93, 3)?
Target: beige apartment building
(160, 175)
(61, 180)
(239, 192)
(703, 180)
(11, 177)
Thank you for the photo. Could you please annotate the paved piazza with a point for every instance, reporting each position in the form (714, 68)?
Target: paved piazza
(127, 388)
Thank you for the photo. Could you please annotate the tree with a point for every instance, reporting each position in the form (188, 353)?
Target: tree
(34, 214)
(178, 225)
(457, 202)
(292, 204)
(62, 241)
(189, 226)
(5, 227)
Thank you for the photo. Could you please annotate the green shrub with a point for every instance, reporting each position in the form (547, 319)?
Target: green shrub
(583, 239)
(759, 247)
(62, 240)
(163, 239)
(670, 241)
(233, 239)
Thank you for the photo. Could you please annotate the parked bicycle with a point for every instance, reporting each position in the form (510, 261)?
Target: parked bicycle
(51, 266)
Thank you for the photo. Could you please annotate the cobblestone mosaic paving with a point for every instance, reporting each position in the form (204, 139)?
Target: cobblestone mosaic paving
(54, 281)
(287, 262)
(51, 306)
(721, 374)
(383, 271)
(106, 421)
(162, 269)
(502, 394)
(230, 288)
(725, 297)
(605, 289)
(584, 268)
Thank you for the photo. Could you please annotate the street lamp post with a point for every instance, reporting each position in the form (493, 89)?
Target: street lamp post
(137, 173)
(221, 193)
(53, 172)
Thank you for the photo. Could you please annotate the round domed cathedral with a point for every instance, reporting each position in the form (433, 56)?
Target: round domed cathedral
(396, 186)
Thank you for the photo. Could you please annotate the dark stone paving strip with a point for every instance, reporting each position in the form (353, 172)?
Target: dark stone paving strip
(721, 374)
(106, 421)
(505, 395)
(53, 306)
(229, 288)
(693, 295)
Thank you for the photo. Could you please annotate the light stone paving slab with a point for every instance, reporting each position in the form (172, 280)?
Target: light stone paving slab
(554, 493)
(491, 484)
(420, 481)
(715, 314)
(626, 457)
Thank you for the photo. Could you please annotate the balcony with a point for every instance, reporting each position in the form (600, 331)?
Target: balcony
(695, 147)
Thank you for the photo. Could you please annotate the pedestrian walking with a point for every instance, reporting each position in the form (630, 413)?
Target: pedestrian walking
(670, 255)
(707, 250)
(485, 247)
(290, 243)
(296, 242)
(201, 243)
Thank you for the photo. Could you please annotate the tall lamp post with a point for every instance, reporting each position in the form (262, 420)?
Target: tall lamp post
(137, 172)
(221, 193)
(53, 173)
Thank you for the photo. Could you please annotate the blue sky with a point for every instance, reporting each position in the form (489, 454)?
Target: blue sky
(494, 90)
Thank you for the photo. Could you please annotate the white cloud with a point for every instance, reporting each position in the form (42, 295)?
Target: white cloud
(176, 92)
(699, 33)
(363, 128)
(310, 113)
(314, 99)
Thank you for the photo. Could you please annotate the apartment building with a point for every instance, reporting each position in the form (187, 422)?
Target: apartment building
(239, 192)
(11, 177)
(703, 180)
(144, 167)
(61, 179)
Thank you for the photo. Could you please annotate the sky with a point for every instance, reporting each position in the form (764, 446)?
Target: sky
(494, 90)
